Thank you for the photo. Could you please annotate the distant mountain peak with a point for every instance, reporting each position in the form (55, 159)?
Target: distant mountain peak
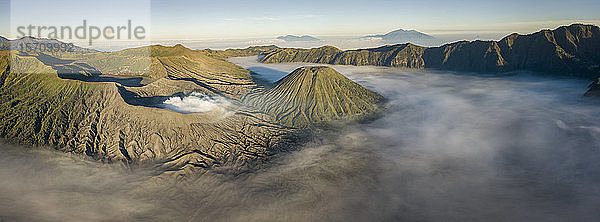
(403, 31)
(295, 38)
(401, 36)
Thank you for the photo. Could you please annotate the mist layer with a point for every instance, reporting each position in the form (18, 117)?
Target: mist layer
(448, 147)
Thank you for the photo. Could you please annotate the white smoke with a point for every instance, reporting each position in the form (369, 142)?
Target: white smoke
(196, 102)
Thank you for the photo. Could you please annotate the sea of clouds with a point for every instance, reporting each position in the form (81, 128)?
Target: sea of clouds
(448, 147)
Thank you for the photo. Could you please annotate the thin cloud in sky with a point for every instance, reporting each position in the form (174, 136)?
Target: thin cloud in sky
(265, 18)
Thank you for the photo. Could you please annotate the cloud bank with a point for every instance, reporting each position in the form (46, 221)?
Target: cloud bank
(449, 147)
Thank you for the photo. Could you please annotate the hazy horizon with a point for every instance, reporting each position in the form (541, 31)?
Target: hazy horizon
(235, 24)
(342, 42)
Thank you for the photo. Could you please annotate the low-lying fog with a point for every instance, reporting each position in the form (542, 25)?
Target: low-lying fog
(449, 147)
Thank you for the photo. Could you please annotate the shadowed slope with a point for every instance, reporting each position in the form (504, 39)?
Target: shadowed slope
(316, 95)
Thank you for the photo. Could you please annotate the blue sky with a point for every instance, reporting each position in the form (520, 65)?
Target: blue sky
(264, 18)
(260, 18)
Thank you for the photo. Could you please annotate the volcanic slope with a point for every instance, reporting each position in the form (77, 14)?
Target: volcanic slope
(316, 95)
(98, 119)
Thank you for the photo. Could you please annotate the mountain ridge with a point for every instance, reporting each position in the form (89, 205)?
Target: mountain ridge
(228, 53)
(568, 50)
